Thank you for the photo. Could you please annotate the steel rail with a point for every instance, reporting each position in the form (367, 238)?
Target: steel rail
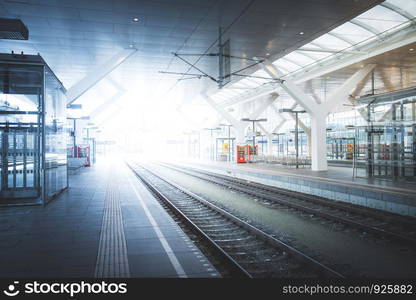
(300, 256)
(312, 199)
(251, 192)
(233, 266)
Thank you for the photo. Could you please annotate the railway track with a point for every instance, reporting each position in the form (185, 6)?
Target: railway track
(248, 251)
(379, 223)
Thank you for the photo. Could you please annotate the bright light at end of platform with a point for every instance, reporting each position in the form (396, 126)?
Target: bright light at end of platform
(144, 125)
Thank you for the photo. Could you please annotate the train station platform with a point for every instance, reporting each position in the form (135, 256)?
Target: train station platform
(337, 183)
(106, 225)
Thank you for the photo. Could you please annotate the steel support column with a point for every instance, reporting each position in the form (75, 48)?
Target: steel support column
(318, 112)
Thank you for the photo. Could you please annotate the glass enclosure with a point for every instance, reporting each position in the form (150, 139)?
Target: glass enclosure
(55, 135)
(32, 131)
(387, 151)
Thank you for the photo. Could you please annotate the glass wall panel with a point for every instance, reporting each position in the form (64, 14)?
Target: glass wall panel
(32, 131)
(20, 131)
(55, 137)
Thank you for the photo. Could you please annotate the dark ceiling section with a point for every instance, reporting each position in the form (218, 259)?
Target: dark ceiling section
(264, 27)
(279, 23)
(260, 28)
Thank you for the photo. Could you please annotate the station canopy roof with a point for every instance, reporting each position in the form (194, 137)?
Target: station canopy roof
(76, 36)
(386, 18)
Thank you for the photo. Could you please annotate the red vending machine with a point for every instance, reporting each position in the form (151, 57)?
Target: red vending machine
(245, 153)
(84, 152)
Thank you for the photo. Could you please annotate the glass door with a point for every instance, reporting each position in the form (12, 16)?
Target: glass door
(20, 133)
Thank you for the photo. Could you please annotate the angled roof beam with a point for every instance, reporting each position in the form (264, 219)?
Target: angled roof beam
(278, 113)
(269, 135)
(318, 112)
(386, 81)
(342, 93)
(279, 125)
(266, 103)
(261, 127)
(356, 92)
(233, 121)
(221, 111)
(386, 115)
(309, 87)
(82, 86)
(301, 124)
(109, 101)
(337, 96)
(308, 103)
(390, 86)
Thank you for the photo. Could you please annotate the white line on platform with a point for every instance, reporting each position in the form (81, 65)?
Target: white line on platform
(172, 257)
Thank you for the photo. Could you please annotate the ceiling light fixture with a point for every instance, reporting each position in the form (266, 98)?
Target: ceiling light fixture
(135, 19)
(301, 32)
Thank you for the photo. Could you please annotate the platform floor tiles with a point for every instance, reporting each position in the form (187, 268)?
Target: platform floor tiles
(106, 224)
(334, 174)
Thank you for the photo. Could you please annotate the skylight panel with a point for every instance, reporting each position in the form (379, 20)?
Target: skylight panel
(383, 14)
(331, 42)
(301, 59)
(352, 32)
(286, 65)
(407, 5)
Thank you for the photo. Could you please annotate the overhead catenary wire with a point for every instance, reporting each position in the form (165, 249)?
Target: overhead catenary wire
(243, 11)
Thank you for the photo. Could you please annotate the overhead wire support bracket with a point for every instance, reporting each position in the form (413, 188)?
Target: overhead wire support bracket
(224, 64)
(218, 54)
(245, 58)
(260, 77)
(183, 74)
(194, 77)
(245, 68)
(196, 68)
(197, 54)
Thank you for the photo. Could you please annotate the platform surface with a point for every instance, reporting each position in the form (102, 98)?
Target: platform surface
(337, 184)
(106, 224)
(334, 174)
